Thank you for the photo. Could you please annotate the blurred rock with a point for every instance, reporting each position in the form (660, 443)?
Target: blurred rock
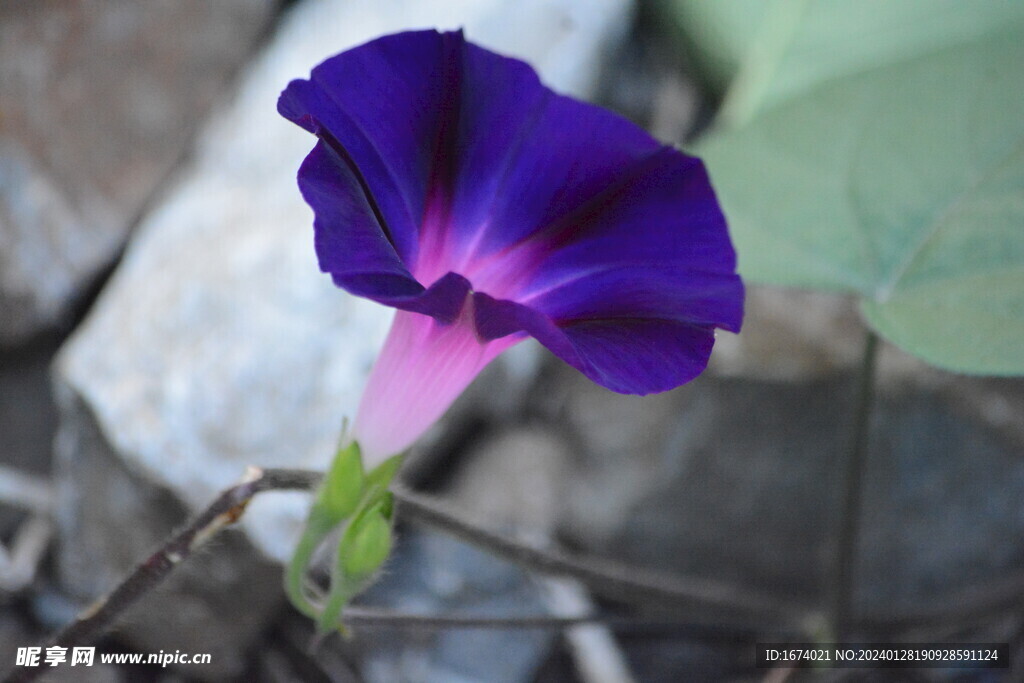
(512, 481)
(671, 658)
(100, 98)
(943, 512)
(218, 343)
(15, 632)
(216, 602)
(434, 574)
(692, 480)
(791, 334)
(28, 417)
(28, 420)
(292, 651)
(97, 673)
(737, 479)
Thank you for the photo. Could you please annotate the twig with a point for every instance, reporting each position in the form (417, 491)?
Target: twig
(845, 561)
(701, 599)
(368, 617)
(228, 507)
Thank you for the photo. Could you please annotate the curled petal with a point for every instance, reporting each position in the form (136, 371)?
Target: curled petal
(627, 355)
(383, 103)
(352, 247)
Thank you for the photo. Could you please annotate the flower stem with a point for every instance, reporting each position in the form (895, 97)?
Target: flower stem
(722, 603)
(357, 616)
(854, 466)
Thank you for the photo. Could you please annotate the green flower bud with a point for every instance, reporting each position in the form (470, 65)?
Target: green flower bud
(365, 545)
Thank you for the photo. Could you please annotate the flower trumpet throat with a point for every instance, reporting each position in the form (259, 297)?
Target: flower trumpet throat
(424, 366)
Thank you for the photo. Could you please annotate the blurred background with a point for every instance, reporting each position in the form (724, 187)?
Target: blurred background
(163, 324)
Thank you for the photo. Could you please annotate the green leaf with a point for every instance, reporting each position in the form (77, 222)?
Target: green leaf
(769, 51)
(905, 185)
(988, 334)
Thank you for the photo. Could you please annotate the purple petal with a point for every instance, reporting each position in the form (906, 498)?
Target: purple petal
(658, 247)
(695, 298)
(349, 240)
(629, 287)
(630, 356)
(384, 103)
(569, 222)
(352, 247)
(566, 154)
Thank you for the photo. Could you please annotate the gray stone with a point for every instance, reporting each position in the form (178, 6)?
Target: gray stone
(216, 602)
(791, 334)
(27, 415)
(28, 420)
(97, 673)
(513, 481)
(218, 343)
(434, 574)
(15, 632)
(292, 651)
(737, 479)
(100, 99)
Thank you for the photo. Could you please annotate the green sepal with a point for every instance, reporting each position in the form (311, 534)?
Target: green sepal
(382, 474)
(344, 485)
(377, 482)
(338, 497)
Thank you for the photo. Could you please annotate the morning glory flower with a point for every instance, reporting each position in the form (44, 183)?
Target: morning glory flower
(449, 183)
